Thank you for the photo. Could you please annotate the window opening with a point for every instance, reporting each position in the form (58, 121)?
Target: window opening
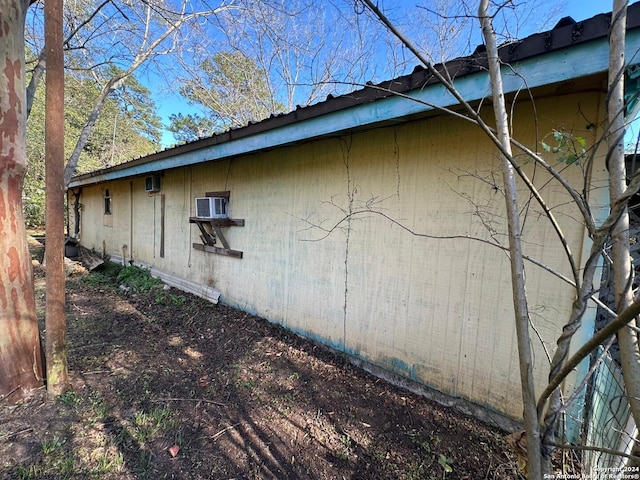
(107, 202)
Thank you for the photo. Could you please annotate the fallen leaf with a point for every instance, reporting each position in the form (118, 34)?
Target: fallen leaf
(173, 451)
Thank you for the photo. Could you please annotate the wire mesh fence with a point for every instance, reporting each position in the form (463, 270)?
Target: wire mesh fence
(608, 422)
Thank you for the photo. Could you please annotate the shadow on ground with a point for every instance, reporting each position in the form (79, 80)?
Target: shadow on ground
(167, 385)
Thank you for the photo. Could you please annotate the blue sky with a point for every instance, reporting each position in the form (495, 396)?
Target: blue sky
(577, 9)
(583, 9)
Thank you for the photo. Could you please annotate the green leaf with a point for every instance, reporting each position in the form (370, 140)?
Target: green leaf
(445, 463)
(545, 147)
(572, 159)
(559, 136)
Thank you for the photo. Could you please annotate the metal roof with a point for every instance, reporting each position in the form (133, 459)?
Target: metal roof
(574, 50)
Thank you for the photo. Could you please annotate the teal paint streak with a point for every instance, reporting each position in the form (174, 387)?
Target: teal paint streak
(400, 367)
(579, 61)
(390, 364)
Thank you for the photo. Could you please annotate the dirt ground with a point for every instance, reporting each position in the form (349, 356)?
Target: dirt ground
(167, 385)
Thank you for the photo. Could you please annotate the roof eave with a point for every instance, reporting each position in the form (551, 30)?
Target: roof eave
(574, 51)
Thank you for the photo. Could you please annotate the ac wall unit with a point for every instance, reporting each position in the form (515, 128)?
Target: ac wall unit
(152, 183)
(211, 207)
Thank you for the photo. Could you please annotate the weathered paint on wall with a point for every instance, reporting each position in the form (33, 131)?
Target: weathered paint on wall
(340, 244)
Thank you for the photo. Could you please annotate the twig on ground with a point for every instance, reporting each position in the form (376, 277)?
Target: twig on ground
(2, 397)
(204, 400)
(16, 433)
(213, 437)
(82, 347)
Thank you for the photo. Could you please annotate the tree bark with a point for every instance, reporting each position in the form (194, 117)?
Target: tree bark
(520, 304)
(20, 354)
(56, 328)
(622, 268)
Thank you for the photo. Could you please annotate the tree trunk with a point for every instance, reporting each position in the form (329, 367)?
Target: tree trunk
(20, 355)
(36, 76)
(622, 269)
(521, 308)
(72, 162)
(56, 328)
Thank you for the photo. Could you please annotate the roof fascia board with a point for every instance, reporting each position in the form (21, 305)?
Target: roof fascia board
(557, 66)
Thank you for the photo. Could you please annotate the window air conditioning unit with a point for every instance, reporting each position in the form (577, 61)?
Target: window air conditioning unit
(152, 183)
(211, 207)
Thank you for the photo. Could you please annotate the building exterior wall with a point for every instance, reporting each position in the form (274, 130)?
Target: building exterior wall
(364, 243)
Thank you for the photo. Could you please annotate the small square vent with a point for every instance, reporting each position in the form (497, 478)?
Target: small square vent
(211, 207)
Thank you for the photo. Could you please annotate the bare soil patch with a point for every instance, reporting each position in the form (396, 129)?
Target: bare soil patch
(167, 385)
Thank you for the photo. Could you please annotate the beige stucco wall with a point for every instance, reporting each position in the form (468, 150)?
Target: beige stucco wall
(437, 310)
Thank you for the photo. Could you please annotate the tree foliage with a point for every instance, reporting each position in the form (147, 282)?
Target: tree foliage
(282, 37)
(232, 90)
(189, 127)
(269, 57)
(128, 127)
(107, 41)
